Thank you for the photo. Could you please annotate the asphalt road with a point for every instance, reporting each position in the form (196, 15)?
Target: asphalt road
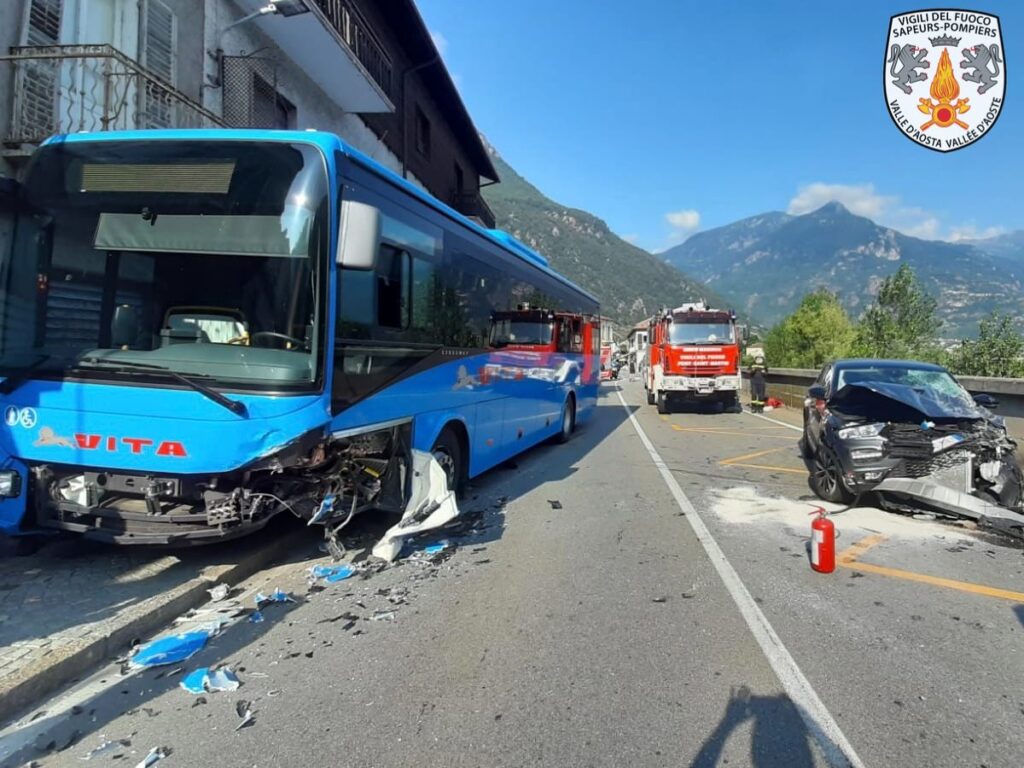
(624, 628)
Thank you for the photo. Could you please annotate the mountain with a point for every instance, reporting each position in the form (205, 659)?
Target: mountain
(630, 282)
(764, 265)
(1008, 247)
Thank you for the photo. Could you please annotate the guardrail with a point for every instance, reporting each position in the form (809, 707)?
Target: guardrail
(790, 386)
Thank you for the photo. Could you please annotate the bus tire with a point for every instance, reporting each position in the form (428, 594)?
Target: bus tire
(450, 451)
(662, 402)
(568, 420)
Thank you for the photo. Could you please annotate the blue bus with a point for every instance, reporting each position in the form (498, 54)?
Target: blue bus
(202, 329)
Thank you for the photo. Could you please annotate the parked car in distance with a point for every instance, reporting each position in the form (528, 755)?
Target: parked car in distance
(869, 420)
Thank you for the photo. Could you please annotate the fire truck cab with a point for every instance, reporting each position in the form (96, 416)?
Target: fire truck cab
(693, 354)
(542, 334)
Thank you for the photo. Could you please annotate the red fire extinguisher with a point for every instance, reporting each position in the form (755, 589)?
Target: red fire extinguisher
(823, 543)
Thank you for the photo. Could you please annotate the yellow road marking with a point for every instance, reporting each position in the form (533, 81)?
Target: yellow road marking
(848, 559)
(738, 461)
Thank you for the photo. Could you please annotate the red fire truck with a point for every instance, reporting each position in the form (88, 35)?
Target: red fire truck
(694, 354)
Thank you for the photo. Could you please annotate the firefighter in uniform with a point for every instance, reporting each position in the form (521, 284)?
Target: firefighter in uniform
(758, 384)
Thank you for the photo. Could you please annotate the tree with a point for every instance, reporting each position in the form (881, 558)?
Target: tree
(819, 330)
(998, 350)
(902, 322)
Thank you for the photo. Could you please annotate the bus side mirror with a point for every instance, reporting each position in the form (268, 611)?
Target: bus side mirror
(358, 235)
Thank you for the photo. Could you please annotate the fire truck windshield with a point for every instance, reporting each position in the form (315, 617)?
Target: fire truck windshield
(700, 333)
(506, 331)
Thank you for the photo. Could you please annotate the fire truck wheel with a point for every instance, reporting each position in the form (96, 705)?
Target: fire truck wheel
(568, 420)
(662, 402)
(650, 397)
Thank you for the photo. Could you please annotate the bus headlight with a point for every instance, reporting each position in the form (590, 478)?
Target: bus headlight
(10, 484)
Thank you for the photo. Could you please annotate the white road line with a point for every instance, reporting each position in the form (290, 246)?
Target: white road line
(819, 721)
(776, 421)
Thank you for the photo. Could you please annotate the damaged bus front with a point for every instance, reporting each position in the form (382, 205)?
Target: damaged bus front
(202, 329)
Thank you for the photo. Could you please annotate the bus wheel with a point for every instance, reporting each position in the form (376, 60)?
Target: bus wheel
(568, 420)
(447, 452)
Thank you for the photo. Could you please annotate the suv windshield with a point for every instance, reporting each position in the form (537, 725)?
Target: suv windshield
(204, 258)
(700, 333)
(937, 382)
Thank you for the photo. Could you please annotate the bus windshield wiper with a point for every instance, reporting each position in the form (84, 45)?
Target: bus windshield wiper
(18, 377)
(235, 406)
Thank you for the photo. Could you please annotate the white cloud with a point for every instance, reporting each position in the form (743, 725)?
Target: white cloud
(861, 199)
(684, 220)
(440, 42)
(970, 232)
(887, 210)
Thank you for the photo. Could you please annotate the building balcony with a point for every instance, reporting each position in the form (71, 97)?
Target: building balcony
(475, 207)
(336, 48)
(75, 88)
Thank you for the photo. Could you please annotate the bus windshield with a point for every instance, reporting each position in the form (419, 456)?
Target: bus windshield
(205, 258)
(700, 333)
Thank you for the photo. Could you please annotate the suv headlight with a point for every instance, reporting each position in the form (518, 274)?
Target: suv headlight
(10, 483)
(862, 430)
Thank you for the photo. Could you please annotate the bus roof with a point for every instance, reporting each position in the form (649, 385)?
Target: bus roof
(328, 143)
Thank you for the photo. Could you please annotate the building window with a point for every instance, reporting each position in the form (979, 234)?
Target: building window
(422, 133)
(269, 108)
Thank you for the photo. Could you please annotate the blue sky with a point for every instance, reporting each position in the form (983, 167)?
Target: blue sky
(714, 111)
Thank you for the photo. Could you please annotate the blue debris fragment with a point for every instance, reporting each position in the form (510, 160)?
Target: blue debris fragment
(256, 617)
(438, 548)
(195, 681)
(170, 650)
(277, 596)
(332, 573)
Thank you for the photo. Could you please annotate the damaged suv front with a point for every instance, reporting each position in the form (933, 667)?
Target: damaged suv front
(912, 434)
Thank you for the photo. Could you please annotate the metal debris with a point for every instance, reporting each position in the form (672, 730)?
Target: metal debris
(155, 754)
(107, 746)
(245, 711)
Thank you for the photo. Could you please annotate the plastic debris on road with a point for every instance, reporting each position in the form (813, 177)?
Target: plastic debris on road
(256, 617)
(219, 592)
(436, 548)
(195, 682)
(277, 596)
(222, 679)
(170, 650)
(555, 503)
(331, 573)
(431, 505)
(202, 681)
(155, 754)
(383, 616)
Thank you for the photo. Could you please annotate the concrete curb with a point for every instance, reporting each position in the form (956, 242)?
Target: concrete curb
(46, 676)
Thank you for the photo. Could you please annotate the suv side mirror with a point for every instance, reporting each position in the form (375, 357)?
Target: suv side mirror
(358, 235)
(816, 392)
(986, 401)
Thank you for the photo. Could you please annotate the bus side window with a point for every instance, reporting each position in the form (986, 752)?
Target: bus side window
(394, 276)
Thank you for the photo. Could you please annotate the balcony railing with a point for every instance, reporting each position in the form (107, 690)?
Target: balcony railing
(72, 88)
(474, 206)
(358, 36)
